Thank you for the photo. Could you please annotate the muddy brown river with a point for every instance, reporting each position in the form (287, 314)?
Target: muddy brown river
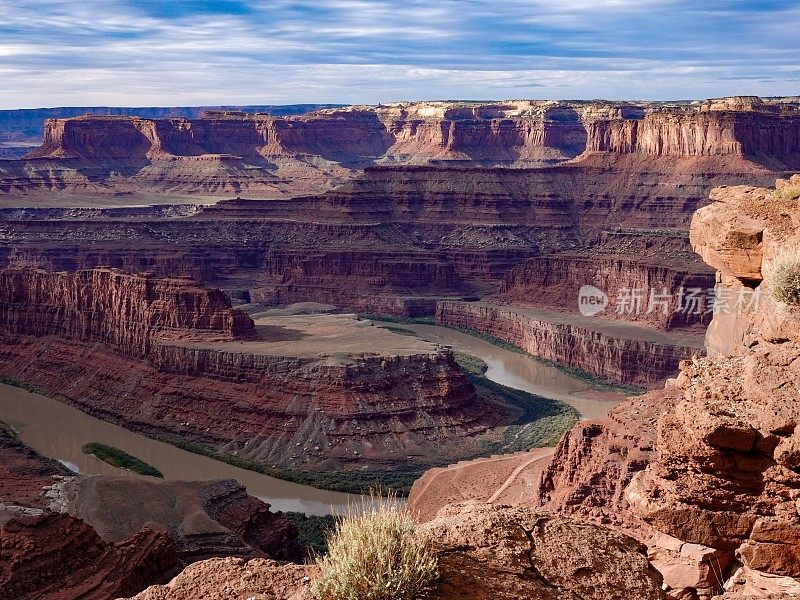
(517, 370)
(59, 431)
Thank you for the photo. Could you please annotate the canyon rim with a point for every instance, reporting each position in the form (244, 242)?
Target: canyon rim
(280, 321)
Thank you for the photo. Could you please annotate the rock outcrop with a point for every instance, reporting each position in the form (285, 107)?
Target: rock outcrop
(57, 556)
(727, 454)
(236, 578)
(594, 463)
(484, 551)
(505, 553)
(126, 311)
(205, 519)
(713, 482)
(763, 132)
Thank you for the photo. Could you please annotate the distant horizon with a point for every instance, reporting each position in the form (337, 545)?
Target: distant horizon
(154, 53)
(234, 105)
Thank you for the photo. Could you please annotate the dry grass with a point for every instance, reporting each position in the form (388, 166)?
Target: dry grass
(376, 553)
(784, 280)
(788, 192)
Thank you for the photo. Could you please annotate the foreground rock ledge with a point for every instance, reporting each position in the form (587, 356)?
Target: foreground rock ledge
(486, 552)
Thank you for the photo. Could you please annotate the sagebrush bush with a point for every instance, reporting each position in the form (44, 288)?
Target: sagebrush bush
(788, 192)
(784, 280)
(376, 553)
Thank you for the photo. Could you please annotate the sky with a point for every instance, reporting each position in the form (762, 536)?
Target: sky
(193, 52)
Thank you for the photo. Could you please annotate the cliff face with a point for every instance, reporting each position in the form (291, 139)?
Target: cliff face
(637, 356)
(507, 133)
(227, 152)
(715, 490)
(552, 134)
(740, 411)
(26, 125)
(417, 133)
(770, 136)
(556, 280)
(115, 307)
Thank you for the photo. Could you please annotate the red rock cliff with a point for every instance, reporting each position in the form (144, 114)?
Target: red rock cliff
(555, 281)
(114, 307)
(714, 485)
(625, 354)
(770, 136)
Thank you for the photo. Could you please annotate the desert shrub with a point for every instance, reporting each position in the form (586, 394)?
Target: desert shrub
(313, 530)
(784, 280)
(376, 553)
(788, 192)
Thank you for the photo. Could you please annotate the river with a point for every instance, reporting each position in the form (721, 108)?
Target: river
(59, 431)
(516, 370)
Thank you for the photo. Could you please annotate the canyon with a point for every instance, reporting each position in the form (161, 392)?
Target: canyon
(417, 204)
(703, 471)
(214, 280)
(168, 358)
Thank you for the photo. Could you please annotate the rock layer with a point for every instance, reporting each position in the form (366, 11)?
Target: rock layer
(60, 557)
(104, 305)
(629, 354)
(227, 152)
(654, 288)
(764, 132)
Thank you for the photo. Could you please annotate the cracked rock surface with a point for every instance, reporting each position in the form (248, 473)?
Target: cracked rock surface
(511, 552)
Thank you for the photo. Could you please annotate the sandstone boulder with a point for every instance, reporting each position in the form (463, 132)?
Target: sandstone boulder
(506, 553)
(59, 557)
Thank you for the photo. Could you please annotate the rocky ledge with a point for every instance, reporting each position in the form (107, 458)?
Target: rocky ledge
(485, 552)
(705, 471)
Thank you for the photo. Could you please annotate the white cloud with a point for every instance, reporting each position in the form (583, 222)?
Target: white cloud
(128, 52)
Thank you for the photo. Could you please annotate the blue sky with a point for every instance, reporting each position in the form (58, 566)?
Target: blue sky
(193, 52)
